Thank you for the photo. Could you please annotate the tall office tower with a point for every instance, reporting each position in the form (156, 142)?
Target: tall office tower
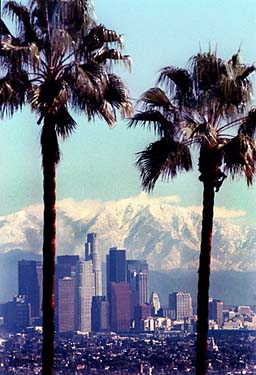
(66, 304)
(65, 267)
(142, 287)
(137, 276)
(39, 272)
(116, 268)
(116, 273)
(181, 305)
(84, 293)
(155, 303)
(120, 307)
(100, 313)
(136, 266)
(216, 310)
(30, 284)
(92, 253)
(18, 313)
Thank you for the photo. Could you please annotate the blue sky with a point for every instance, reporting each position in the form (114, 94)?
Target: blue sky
(98, 162)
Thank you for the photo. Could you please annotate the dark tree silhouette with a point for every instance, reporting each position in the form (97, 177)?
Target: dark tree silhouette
(59, 60)
(205, 107)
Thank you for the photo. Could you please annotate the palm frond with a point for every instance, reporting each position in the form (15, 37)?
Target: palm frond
(207, 69)
(4, 29)
(65, 124)
(156, 97)
(21, 14)
(235, 60)
(87, 86)
(93, 69)
(225, 83)
(233, 95)
(61, 44)
(111, 55)
(15, 56)
(204, 133)
(163, 158)
(240, 156)
(96, 91)
(116, 93)
(153, 119)
(246, 72)
(76, 16)
(33, 97)
(177, 78)
(248, 127)
(107, 112)
(99, 35)
(13, 90)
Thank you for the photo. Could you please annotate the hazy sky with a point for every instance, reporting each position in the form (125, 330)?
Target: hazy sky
(98, 162)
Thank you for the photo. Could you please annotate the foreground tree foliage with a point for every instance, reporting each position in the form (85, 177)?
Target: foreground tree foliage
(204, 107)
(59, 60)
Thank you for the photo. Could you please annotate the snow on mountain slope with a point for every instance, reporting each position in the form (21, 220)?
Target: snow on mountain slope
(156, 229)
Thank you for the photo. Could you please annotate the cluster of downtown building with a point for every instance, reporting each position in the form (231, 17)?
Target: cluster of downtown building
(81, 306)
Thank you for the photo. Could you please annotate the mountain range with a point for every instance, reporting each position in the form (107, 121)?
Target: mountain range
(156, 229)
(159, 230)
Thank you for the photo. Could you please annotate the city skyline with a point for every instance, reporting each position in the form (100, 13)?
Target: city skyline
(167, 236)
(79, 309)
(89, 168)
(79, 298)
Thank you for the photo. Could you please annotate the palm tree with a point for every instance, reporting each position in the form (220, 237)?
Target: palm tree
(59, 58)
(205, 106)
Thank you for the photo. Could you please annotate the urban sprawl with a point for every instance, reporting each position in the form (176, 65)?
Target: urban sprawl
(125, 331)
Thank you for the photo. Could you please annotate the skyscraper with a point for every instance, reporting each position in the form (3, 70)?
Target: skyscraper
(116, 268)
(65, 267)
(120, 307)
(30, 284)
(216, 310)
(137, 276)
(92, 253)
(155, 302)
(142, 287)
(66, 304)
(18, 313)
(181, 305)
(84, 294)
(118, 290)
(100, 313)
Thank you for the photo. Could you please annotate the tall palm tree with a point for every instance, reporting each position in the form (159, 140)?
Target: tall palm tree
(204, 106)
(60, 60)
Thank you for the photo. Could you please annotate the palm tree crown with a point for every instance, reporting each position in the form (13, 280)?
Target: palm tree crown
(201, 107)
(59, 58)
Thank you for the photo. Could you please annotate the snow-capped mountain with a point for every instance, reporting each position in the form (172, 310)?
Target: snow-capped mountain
(156, 229)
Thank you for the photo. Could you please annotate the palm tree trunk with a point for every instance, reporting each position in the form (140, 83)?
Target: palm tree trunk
(49, 249)
(204, 278)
